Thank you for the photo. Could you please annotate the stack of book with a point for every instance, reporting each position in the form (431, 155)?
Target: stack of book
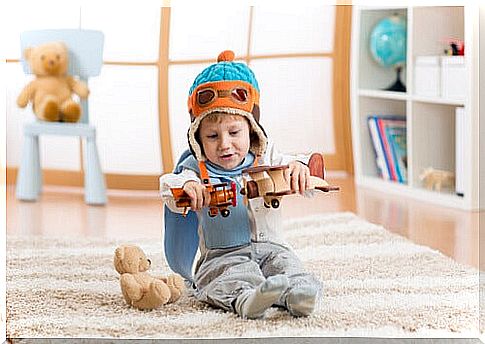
(388, 134)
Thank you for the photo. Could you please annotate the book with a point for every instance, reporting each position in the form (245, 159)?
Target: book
(378, 148)
(387, 149)
(396, 136)
(388, 134)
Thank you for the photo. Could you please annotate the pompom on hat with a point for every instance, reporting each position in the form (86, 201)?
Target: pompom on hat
(226, 87)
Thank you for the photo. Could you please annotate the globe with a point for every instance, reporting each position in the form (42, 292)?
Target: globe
(388, 41)
(388, 46)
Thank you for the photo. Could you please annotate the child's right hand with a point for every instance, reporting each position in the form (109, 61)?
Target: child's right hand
(198, 193)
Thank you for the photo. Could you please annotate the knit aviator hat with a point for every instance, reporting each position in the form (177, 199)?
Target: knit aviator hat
(226, 87)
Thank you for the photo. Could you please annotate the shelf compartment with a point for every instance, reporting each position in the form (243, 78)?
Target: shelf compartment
(369, 106)
(373, 76)
(433, 136)
(445, 21)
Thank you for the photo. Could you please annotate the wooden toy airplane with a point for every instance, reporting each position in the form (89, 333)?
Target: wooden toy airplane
(221, 197)
(269, 181)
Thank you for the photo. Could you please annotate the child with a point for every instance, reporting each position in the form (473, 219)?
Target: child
(244, 266)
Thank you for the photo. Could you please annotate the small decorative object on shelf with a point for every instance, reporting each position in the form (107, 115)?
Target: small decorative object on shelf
(436, 179)
(455, 46)
(388, 47)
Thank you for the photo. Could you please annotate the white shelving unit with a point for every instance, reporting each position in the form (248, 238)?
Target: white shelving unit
(430, 121)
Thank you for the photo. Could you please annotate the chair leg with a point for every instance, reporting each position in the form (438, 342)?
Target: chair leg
(94, 184)
(38, 170)
(29, 179)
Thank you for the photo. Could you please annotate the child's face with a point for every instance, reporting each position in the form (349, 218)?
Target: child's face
(226, 140)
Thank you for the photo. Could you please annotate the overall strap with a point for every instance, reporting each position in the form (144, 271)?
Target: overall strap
(256, 161)
(204, 175)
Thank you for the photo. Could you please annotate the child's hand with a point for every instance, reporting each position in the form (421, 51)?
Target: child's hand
(299, 176)
(198, 193)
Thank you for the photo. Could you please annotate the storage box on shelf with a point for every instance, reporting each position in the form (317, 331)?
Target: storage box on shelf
(427, 76)
(440, 77)
(440, 104)
(453, 77)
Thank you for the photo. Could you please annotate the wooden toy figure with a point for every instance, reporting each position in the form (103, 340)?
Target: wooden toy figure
(435, 179)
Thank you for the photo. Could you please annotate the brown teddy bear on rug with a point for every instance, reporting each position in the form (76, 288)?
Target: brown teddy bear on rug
(139, 288)
(51, 90)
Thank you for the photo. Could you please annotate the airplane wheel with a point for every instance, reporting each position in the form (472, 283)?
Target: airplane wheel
(211, 214)
(275, 203)
(225, 212)
(266, 205)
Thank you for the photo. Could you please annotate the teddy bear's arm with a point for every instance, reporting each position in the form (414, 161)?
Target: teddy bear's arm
(26, 94)
(78, 87)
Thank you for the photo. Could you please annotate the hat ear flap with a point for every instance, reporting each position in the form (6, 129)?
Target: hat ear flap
(255, 112)
(191, 143)
(254, 138)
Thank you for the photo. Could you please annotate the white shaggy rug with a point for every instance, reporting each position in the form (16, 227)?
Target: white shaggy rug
(375, 284)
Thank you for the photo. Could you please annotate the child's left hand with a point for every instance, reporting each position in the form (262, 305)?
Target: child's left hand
(299, 176)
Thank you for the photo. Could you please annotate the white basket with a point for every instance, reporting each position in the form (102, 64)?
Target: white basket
(427, 76)
(453, 77)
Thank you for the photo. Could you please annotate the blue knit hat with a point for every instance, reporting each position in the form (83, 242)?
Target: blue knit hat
(226, 87)
(225, 70)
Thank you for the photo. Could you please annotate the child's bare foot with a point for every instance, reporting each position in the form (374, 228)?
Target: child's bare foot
(253, 304)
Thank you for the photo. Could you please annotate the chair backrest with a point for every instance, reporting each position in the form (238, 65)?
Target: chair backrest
(85, 53)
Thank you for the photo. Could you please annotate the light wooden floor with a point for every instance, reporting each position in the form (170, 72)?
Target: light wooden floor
(62, 212)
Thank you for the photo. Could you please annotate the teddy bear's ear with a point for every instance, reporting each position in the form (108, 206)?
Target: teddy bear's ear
(27, 53)
(118, 259)
(120, 253)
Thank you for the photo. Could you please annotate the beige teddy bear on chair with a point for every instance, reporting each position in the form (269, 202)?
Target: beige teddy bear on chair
(51, 90)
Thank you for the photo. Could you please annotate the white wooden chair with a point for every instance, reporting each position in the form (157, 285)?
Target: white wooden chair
(85, 60)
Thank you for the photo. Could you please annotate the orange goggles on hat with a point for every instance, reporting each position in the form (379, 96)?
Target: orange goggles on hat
(207, 96)
(223, 94)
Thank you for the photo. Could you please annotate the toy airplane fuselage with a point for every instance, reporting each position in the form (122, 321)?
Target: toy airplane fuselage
(270, 183)
(221, 197)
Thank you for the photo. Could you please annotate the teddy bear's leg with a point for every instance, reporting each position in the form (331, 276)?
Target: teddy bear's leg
(47, 109)
(176, 285)
(159, 292)
(130, 288)
(71, 111)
